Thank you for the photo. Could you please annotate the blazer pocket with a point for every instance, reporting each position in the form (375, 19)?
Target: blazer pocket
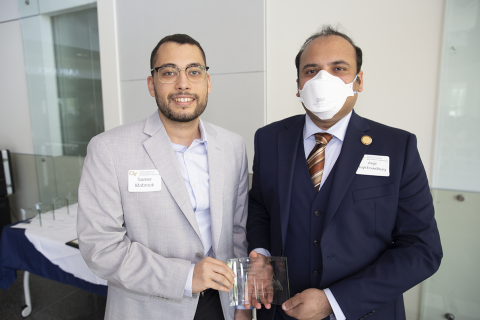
(374, 192)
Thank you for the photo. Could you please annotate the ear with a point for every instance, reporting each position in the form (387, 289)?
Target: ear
(360, 81)
(298, 88)
(151, 86)
(209, 84)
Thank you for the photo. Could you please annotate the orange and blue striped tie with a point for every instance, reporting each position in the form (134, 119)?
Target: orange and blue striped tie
(316, 158)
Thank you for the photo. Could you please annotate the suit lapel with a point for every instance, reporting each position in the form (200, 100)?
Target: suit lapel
(216, 177)
(159, 148)
(287, 150)
(347, 163)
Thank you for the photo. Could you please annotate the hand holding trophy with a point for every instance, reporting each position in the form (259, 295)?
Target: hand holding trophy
(259, 280)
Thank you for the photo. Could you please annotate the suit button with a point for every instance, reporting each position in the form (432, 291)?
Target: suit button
(281, 252)
(315, 273)
(199, 256)
(316, 243)
(317, 213)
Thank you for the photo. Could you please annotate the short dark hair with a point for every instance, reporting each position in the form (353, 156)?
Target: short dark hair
(328, 30)
(177, 38)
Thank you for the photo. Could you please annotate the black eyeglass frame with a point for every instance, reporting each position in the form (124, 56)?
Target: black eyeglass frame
(179, 70)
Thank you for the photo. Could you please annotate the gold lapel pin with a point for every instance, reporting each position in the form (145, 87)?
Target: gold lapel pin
(366, 140)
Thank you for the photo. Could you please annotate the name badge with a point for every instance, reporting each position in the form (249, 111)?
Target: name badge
(144, 181)
(372, 165)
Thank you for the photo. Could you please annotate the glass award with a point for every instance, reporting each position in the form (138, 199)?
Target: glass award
(263, 278)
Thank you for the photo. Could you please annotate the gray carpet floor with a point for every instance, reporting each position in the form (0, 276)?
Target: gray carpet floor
(51, 300)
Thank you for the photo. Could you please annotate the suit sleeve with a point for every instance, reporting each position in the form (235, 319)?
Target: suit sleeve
(104, 243)
(258, 225)
(241, 210)
(415, 254)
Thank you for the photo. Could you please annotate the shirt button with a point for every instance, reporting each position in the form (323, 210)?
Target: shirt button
(194, 185)
(315, 273)
(317, 213)
(316, 243)
(199, 256)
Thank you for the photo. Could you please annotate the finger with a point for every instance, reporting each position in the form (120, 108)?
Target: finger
(269, 295)
(219, 263)
(250, 298)
(220, 279)
(292, 302)
(253, 254)
(224, 270)
(263, 293)
(218, 287)
(224, 273)
(246, 298)
(256, 289)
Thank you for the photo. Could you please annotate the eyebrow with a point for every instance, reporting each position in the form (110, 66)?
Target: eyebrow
(193, 64)
(309, 65)
(334, 63)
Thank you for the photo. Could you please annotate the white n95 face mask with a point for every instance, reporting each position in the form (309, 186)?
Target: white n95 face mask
(324, 95)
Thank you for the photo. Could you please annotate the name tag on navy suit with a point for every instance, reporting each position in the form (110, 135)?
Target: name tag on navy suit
(144, 181)
(372, 165)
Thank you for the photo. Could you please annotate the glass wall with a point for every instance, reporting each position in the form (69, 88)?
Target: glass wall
(454, 291)
(79, 85)
(62, 62)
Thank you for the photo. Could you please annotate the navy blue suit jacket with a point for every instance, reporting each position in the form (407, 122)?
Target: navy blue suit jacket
(379, 238)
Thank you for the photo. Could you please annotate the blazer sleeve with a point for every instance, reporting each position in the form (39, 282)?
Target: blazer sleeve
(241, 209)
(258, 224)
(415, 254)
(103, 241)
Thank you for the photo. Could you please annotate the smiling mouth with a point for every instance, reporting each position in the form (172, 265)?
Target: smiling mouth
(183, 99)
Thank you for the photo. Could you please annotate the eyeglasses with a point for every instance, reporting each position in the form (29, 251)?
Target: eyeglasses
(171, 74)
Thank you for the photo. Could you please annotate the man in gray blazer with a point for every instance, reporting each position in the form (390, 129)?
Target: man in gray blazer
(163, 201)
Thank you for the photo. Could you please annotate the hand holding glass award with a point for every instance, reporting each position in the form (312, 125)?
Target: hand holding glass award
(263, 279)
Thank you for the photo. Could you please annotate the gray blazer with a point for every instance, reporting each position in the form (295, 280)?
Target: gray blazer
(143, 243)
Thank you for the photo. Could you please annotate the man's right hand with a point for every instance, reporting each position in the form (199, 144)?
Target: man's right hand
(259, 283)
(212, 273)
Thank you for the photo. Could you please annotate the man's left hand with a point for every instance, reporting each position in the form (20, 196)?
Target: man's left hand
(311, 304)
(243, 314)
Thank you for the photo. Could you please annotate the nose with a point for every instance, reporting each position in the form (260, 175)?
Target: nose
(182, 82)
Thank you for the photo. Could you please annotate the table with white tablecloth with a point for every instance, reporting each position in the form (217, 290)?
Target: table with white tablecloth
(42, 250)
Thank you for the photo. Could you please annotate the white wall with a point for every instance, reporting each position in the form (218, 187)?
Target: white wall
(232, 36)
(401, 43)
(15, 126)
(8, 10)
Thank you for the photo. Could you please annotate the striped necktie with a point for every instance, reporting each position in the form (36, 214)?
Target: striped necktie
(316, 158)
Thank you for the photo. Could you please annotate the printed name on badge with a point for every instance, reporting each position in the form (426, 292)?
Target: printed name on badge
(372, 165)
(144, 181)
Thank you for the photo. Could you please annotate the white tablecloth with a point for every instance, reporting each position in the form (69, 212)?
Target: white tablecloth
(50, 238)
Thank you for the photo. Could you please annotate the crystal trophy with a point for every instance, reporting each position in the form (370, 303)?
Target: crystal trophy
(261, 278)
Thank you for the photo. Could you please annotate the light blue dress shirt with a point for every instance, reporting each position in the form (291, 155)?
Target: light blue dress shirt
(332, 151)
(193, 163)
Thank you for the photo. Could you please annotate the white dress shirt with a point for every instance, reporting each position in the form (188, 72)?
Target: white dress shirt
(332, 151)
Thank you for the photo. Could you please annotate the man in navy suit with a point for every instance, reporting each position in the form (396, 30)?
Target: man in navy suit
(360, 230)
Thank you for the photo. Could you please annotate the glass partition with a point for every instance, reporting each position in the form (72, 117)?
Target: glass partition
(62, 63)
(79, 85)
(454, 291)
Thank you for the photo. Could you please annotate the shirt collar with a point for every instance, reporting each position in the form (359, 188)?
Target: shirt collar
(338, 130)
(203, 134)
(203, 139)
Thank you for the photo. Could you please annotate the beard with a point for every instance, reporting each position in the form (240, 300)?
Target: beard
(168, 112)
